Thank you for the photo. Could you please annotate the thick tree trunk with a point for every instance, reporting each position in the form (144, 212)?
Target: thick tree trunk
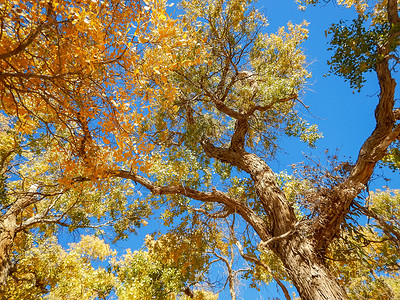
(7, 234)
(305, 268)
(307, 271)
(8, 230)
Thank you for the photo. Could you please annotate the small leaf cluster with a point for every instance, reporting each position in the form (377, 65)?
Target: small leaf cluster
(355, 48)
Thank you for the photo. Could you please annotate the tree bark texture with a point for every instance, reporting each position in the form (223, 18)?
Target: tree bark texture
(8, 227)
(307, 271)
(298, 254)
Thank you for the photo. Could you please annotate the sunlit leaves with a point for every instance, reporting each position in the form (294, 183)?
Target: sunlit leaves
(223, 33)
(92, 87)
(90, 269)
(163, 270)
(46, 269)
(355, 47)
(366, 263)
(360, 5)
(392, 158)
(358, 44)
(279, 61)
(81, 71)
(386, 204)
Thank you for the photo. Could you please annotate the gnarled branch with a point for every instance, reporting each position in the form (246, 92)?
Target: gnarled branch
(215, 196)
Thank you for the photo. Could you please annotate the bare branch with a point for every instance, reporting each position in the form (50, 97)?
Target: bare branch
(280, 237)
(255, 108)
(222, 214)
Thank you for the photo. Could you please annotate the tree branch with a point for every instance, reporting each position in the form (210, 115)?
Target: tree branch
(222, 214)
(277, 238)
(327, 225)
(22, 202)
(255, 108)
(31, 37)
(238, 139)
(272, 198)
(389, 229)
(215, 196)
(257, 262)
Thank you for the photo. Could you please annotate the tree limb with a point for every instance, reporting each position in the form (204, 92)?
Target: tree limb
(271, 196)
(327, 225)
(255, 108)
(215, 196)
(31, 37)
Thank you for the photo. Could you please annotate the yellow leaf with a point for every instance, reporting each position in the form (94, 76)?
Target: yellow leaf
(142, 40)
(106, 141)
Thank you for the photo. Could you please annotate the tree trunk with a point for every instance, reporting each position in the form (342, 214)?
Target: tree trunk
(7, 234)
(8, 230)
(298, 254)
(232, 286)
(307, 271)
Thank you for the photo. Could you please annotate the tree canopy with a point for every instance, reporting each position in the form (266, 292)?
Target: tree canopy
(103, 100)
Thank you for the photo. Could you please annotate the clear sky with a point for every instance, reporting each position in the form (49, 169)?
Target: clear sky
(345, 118)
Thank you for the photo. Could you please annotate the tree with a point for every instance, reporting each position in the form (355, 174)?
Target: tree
(216, 95)
(224, 122)
(46, 270)
(67, 68)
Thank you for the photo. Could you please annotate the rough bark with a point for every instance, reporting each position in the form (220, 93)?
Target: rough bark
(8, 228)
(272, 198)
(307, 271)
